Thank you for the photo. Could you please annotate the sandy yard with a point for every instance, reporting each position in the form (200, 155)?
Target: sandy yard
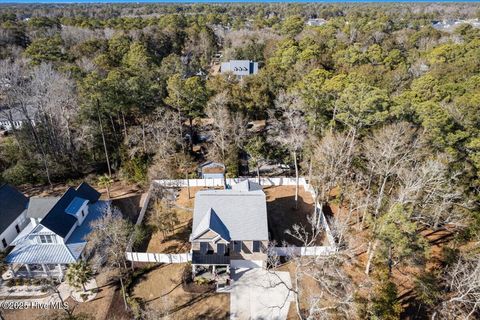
(161, 289)
(283, 214)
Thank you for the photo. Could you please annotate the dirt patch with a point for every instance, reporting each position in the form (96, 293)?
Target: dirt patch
(130, 206)
(161, 290)
(283, 213)
(178, 241)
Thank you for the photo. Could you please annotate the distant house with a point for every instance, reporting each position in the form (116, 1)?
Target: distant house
(316, 22)
(212, 170)
(12, 214)
(14, 119)
(240, 68)
(230, 228)
(55, 234)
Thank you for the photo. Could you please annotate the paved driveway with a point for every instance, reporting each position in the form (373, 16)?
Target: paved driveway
(260, 295)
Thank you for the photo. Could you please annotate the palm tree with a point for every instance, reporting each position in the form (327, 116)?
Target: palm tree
(105, 181)
(78, 274)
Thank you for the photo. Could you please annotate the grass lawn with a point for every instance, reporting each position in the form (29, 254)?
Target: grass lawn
(161, 290)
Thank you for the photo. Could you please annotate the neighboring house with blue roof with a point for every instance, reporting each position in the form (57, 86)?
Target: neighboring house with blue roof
(230, 227)
(56, 233)
(240, 68)
(12, 214)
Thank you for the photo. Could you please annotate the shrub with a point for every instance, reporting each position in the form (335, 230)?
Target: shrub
(10, 283)
(84, 296)
(201, 281)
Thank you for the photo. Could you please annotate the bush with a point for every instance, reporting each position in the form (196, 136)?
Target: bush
(10, 283)
(201, 281)
(84, 296)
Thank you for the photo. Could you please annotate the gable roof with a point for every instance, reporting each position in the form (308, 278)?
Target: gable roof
(39, 207)
(13, 203)
(244, 214)
(211, 221)
(85, 191)
(57, 219)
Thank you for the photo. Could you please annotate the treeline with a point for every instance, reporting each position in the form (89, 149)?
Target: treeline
(375, 106)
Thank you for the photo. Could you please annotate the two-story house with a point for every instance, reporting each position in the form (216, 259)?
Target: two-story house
(55, 235)
(230, 228)
(12, 214)
(240, 68)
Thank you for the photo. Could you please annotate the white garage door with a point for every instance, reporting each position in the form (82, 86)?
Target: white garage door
(246, 264)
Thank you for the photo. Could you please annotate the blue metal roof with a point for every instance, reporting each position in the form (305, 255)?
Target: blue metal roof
(13, 203)
(58, 220)
(85, 191)
(29, 253)
(75, 205)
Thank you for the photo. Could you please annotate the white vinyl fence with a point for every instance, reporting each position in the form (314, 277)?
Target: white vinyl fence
(304, 251)
(280, 251)
(159, 257)
(281, 181)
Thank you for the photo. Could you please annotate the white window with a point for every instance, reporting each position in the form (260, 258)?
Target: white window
(46, 238)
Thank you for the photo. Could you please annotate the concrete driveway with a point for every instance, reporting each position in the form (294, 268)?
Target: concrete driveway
(260, 295)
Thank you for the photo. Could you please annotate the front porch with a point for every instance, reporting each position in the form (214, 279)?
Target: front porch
(35, 271)
(220, 274)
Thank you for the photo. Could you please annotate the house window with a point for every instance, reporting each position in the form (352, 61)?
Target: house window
(221, 248)
(46, 238)
(17, 228)
(83, 213)
(237, 246)
(4, 242)
(203, 247)
(256, 246)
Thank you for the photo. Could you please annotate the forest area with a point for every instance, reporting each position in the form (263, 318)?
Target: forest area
(379, 110)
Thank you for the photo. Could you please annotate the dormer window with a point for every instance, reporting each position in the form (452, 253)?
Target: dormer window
(46, 238)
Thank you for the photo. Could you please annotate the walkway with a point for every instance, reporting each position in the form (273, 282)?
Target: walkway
(260, 294)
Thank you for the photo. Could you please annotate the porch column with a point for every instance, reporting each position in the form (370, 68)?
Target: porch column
(60, 270)
(213, 269)
(228, 268)
(12, 269)
(28, 270)
(193, 270)
(44, 269)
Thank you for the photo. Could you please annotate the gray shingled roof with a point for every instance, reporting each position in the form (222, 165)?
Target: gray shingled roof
(246, 185)
(211, 221)
(244, 214)
(13, 203)
(39, 207)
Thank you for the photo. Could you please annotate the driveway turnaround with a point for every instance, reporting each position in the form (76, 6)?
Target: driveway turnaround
(257, 294)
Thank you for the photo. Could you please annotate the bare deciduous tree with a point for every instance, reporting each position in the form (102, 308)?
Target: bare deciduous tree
(289, 127)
